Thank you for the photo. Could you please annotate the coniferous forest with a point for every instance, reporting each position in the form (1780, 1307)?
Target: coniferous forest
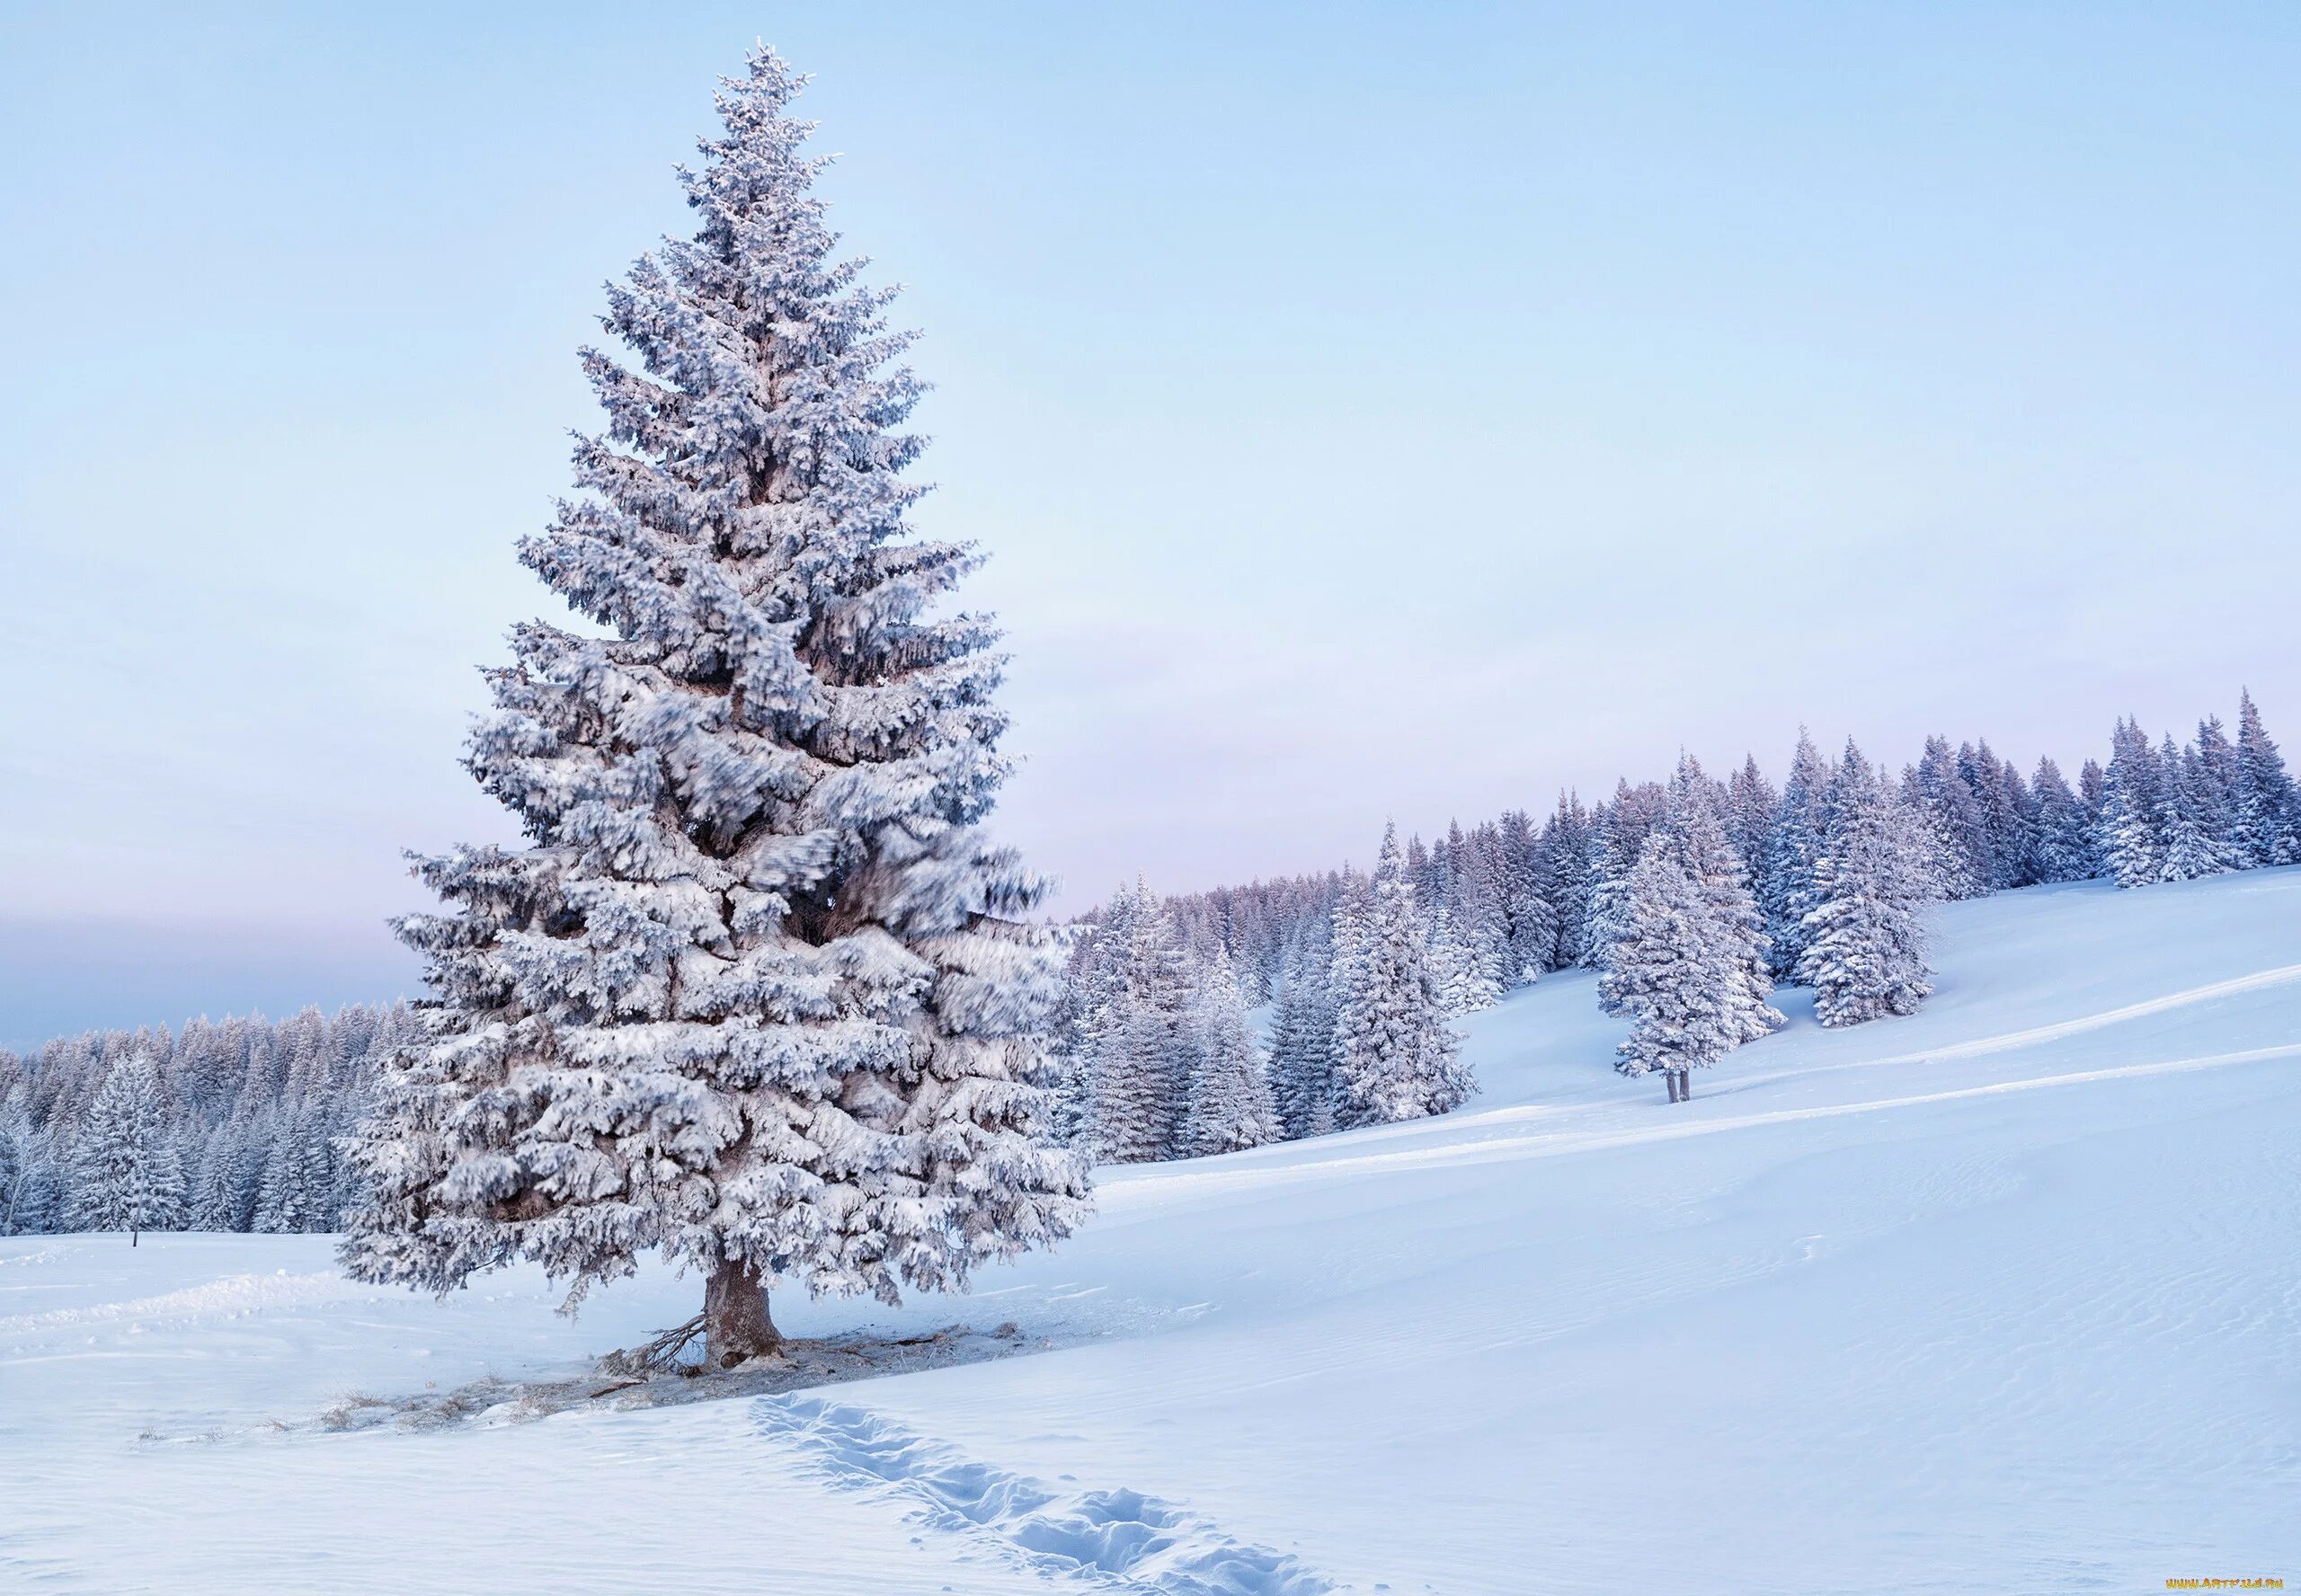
(1210, 1021)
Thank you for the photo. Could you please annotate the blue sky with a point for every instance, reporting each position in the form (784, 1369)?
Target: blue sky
(1370, 411)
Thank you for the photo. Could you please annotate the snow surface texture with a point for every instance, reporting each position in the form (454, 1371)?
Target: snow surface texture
(2001, 1296)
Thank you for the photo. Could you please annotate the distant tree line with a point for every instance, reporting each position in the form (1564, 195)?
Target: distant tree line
(224, 1125)
(1692, 897)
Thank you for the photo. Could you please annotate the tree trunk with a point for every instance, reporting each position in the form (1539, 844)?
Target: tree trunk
(1685, 1085)
(1670, 1081)
(735, 1326)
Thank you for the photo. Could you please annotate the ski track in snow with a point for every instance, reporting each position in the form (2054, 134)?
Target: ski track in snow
(2014, 1040)
(226, 1298)
(1112, 1539)
(1488, 1149)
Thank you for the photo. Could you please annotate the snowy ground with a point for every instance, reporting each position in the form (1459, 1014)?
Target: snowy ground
(2003, 1297)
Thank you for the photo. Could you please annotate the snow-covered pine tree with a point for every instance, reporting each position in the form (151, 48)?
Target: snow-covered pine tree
(1094, 985)
(1231, 1106)
(1302, 1056)
(1792, 846)
(1396, 1056)
(282, 1207)
(2191, 817)
(1866, 950)
(757, 995)
(127, 1173)
(2267, 825)
(2220, 780)
(1750, 803)
(2130, 830)
(1667, 974)
(1959, 829)
(2006, 821)
(1534, 921)
(1566, 856)
(1694, 825)
(25, 1172)
(2066, 850)
(1481, 914)
(1141, 1065)
(1622, 828)
(2092, 786)
(209, 1206)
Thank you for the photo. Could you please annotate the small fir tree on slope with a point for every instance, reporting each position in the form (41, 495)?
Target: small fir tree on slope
(1397, 1058)
(756, 994)
(1668, 974)
(126, 1174)
(1865, 954)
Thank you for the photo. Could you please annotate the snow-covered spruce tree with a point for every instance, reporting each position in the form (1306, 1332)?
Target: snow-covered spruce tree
(2191, 817)
(1622, 828)
(2267, 825)
(1566, 856)
(1396, 1057)
(2130, 830)
(757, 994)
(2218, 782)
(1532, 917)
(126, 1172)
(2065, 849)
(1967, 868)
(1142, 1066)
(1695, 829)
(1093, 1001)
(1792, 846)
(1231, 1106)
(1302, 1056)
(1750, 804)
(25, 1176)
(2007, 823)
(1667, 974)
(1481, 913)
(1865, 955)
(1464, 982)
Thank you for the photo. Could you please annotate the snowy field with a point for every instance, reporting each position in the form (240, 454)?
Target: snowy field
(2005, 1297)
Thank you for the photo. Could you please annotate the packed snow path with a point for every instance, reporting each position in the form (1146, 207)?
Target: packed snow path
(2001, 1297)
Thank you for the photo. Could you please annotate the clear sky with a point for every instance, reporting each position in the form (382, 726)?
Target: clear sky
(1375, 411)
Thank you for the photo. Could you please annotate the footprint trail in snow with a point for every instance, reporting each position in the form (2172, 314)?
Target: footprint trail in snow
(1111, 1539)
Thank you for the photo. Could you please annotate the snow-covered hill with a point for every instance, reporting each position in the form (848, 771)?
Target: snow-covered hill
(2005, 1296)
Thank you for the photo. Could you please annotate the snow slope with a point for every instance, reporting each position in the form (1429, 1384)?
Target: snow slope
(2005, 1296)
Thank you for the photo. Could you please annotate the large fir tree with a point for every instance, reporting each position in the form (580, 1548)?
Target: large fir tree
(756, 993)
